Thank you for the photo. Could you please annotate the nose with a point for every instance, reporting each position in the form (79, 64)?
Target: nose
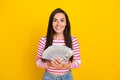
(58, 22)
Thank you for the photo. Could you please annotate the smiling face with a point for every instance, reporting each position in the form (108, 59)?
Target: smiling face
(59, 23)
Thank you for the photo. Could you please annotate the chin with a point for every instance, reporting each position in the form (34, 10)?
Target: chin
(58, 32)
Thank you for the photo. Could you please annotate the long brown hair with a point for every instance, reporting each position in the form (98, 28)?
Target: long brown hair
(67, 31)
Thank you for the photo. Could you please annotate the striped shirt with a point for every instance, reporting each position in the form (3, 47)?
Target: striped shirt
(76, 55)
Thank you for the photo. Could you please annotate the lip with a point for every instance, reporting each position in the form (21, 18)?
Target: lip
(58, 28)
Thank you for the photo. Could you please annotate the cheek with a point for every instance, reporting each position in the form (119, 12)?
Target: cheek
(53, 24)
(63, 25)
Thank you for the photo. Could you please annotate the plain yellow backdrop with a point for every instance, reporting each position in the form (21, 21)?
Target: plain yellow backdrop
(96, 24)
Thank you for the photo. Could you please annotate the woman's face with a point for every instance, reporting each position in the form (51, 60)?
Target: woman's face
(59, 23)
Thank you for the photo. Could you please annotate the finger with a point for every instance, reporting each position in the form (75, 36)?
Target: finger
(58, 60)
(56, 65)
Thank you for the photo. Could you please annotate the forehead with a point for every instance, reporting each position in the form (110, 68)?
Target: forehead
(59, 15)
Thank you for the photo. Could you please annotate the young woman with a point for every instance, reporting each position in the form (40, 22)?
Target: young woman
(58, 33)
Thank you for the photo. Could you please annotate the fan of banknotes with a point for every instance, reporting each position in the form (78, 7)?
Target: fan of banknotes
(57, 51)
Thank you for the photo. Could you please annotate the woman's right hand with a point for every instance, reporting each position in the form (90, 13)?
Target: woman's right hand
(57, 63)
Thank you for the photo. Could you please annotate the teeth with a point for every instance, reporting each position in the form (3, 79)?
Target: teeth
(58, 28)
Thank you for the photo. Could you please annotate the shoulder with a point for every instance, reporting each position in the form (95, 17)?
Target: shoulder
(43, 39)
(75, 41)
(73, 38)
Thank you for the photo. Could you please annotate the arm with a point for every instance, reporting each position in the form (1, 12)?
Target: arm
(76, 56)
(41, 47)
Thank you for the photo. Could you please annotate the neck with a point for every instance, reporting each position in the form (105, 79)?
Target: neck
(58, 36)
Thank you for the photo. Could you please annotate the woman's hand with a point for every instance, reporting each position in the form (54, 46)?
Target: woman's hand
(57, 63)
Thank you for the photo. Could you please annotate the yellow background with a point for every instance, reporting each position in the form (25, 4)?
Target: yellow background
(96, 24)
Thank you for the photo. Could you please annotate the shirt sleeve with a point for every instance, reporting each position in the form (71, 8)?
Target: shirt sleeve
(40, 50)
(76, 55)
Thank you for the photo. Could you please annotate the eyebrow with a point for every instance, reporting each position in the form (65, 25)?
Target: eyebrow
(56, 18)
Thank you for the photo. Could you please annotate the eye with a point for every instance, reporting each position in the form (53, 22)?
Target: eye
(54, 20)
(62, 20)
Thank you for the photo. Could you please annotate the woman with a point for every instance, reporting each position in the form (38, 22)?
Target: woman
(58, 33)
